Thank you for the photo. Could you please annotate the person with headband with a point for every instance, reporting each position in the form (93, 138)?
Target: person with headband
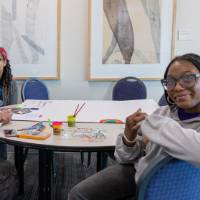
(8, 95)
(172, 130)
(8, 90)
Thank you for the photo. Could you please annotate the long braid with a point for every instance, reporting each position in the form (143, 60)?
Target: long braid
(6, 82)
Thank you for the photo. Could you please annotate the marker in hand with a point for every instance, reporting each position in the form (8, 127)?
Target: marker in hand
(142, 115)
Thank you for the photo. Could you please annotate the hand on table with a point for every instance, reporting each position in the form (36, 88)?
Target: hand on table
(5, 116)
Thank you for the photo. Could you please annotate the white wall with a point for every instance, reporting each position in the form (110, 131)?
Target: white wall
(75, 46)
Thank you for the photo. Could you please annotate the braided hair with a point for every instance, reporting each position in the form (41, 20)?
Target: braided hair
(6, 82)
(190, 57)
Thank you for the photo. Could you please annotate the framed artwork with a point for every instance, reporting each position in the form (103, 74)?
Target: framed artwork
(130, 38)
(30, 32)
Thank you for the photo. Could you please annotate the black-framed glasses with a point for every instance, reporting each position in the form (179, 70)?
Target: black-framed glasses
(186, 81)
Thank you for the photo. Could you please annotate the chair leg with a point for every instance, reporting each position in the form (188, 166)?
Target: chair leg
(53, 165)
(19, 164)
(101, 161)
(25, 153)
(82, 157)
(88, 158)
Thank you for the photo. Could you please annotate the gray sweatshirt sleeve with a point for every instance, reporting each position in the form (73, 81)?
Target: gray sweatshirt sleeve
(179, 142)
(125, 154)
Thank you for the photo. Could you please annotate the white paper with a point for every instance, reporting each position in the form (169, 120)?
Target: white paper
(92, 111)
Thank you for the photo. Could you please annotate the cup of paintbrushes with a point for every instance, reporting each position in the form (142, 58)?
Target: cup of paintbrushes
(71, 120)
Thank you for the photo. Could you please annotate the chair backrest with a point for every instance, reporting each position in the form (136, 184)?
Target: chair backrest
(129, 88)
(162, 101)
(34, 88)
(170, 178)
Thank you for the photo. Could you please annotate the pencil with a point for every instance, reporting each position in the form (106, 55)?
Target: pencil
(78, 110)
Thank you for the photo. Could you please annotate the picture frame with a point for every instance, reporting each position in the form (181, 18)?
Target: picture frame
(31, 37)
(123, 44)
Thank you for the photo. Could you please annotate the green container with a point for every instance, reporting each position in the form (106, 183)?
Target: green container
(71, 120)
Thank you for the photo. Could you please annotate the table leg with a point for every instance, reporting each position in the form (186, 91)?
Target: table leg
(45, 164)
(19, 164)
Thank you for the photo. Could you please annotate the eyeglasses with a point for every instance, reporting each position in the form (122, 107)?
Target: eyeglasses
(186, 81)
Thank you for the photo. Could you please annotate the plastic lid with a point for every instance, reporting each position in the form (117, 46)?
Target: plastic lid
(56, 123)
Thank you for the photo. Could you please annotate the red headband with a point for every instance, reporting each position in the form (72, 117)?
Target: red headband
(3, 53)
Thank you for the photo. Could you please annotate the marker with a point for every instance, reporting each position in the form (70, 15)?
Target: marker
(34, 108)
(49, 122)
(38, 126)
(114, 121)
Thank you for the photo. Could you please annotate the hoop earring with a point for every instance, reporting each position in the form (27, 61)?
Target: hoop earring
(170, 101)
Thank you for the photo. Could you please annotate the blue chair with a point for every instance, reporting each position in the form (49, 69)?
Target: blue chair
(162, 101)
(129, 88)
(34, 88)
(170, 179)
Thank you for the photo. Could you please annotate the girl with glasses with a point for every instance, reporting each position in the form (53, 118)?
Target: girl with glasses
(171, 130)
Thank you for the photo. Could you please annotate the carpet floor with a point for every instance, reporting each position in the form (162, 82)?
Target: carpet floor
(68, 168)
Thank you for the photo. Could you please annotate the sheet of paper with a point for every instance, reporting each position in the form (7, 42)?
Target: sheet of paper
(93, 111)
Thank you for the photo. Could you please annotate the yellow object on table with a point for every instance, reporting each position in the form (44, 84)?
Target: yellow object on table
(71, 120)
